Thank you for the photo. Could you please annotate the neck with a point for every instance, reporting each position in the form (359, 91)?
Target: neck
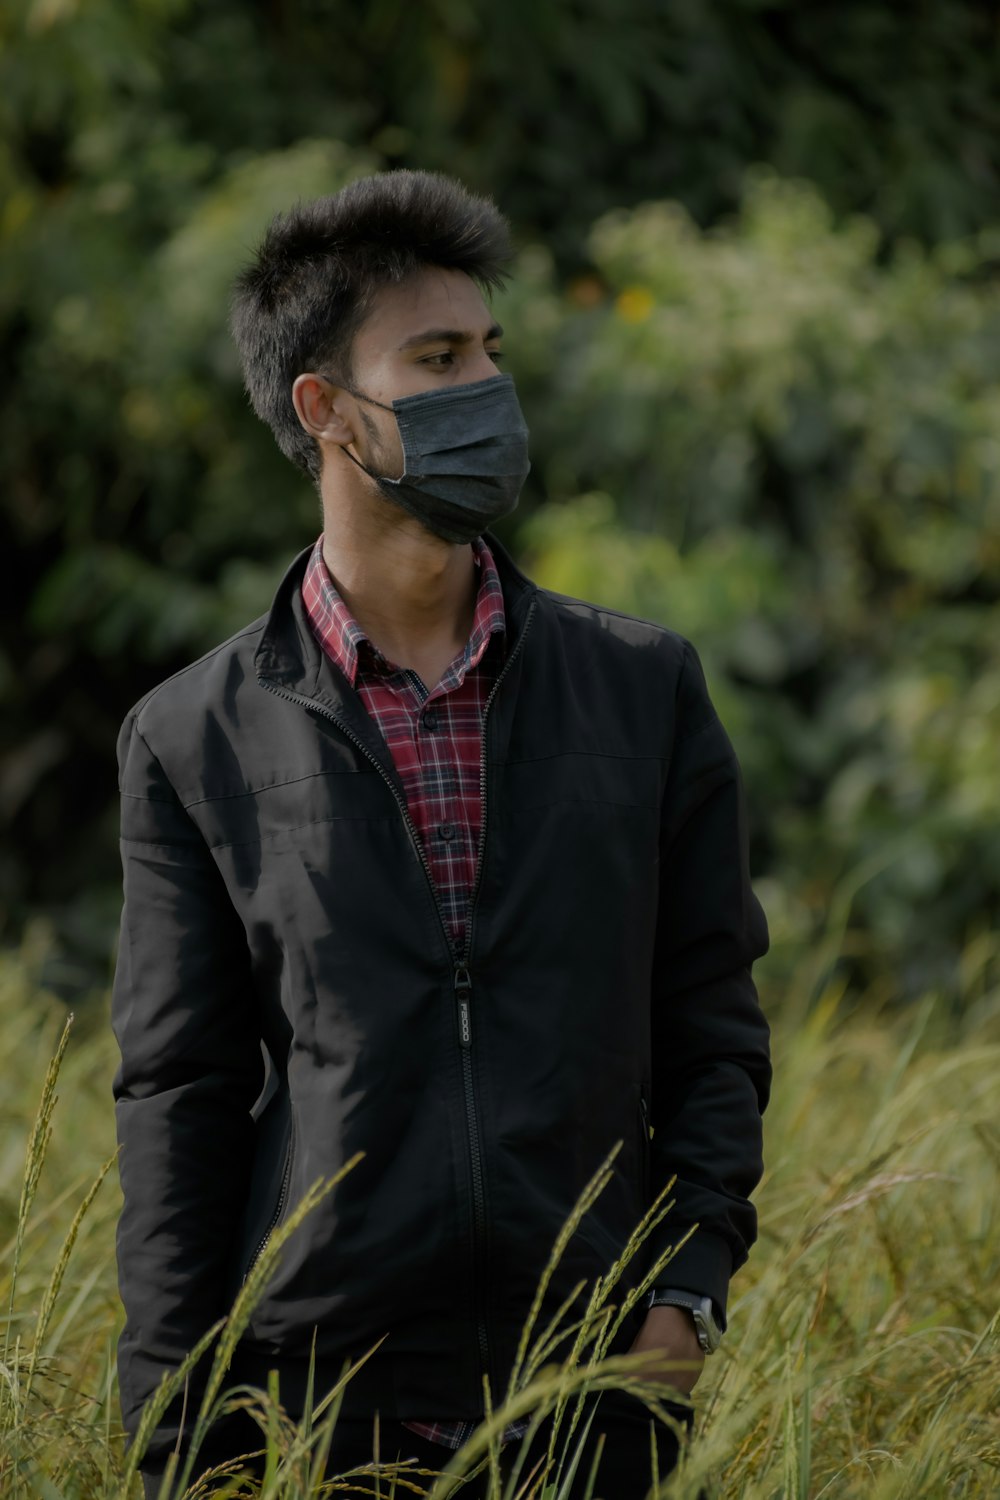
(412, 593)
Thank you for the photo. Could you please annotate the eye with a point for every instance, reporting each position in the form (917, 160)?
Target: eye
(447, 358)
(495, 355)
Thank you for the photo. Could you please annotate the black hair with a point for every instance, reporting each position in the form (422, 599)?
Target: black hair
(300, 302)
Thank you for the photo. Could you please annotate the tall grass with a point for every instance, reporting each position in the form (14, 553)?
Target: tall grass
(863, 1353)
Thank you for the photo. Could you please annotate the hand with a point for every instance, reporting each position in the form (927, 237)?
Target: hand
(668, 1334)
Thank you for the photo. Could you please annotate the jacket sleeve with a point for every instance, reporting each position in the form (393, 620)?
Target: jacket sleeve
(191, 1067)
(711, 1068)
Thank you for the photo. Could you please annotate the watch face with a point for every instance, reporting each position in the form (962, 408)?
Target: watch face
(701, 1329)
(708, 1331)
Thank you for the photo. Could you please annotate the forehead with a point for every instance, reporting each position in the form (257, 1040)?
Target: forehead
(429, 299)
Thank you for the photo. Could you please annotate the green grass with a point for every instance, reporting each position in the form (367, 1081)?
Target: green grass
(863, 1357)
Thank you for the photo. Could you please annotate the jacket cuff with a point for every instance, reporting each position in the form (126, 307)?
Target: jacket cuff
(703, 1265)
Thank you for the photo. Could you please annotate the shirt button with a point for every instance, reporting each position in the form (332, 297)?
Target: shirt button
(431, 720)
(446, 831)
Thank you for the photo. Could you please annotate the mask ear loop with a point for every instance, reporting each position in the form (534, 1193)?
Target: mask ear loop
(360, 396)
(378, 478)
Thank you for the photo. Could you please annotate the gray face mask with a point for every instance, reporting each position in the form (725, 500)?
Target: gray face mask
(465, 456)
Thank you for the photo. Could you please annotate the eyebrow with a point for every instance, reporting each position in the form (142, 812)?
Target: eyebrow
(449, 336)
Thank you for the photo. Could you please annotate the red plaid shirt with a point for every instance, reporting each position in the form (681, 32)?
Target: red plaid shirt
(434, 736)
(435, 740)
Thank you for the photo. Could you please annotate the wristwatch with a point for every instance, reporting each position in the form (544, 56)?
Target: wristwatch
(702, 1310)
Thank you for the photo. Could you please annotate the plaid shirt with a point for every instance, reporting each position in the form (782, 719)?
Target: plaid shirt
(435, 740)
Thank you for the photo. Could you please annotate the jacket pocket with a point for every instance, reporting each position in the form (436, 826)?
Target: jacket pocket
(280, 1202)
(269, 1184)
(644, 1173)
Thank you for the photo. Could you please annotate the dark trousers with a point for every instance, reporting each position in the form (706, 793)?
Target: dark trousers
(624, 1472)
(629, 1431)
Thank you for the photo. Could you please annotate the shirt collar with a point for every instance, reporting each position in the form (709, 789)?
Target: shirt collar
(343, 640)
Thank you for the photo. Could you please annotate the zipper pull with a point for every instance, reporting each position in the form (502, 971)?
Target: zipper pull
(463, 992)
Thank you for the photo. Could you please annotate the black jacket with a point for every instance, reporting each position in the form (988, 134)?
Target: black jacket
(275, 892)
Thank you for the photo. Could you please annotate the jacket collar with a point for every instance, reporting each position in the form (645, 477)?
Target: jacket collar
(290, 656)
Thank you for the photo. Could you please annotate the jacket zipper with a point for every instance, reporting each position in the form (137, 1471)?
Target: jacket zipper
(463, 999)
(286, 1177)
(482, 782)
(462, 977)
(463, 995)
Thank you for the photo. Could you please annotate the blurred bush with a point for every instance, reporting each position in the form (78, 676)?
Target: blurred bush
(150, 513)
(803, 443)
(775, 431)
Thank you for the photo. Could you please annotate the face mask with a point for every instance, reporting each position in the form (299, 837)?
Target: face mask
(465, 456)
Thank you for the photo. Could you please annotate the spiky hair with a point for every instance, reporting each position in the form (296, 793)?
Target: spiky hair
(300, 302)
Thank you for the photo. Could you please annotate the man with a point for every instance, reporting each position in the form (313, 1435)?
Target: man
(465, 858)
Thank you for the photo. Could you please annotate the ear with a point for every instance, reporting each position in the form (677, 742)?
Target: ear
(324, 409)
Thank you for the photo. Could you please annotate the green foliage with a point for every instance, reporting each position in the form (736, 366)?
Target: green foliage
(802, 440)
(794, 411)
(862, 1357)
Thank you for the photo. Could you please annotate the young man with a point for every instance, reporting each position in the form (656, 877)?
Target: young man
(465, 858)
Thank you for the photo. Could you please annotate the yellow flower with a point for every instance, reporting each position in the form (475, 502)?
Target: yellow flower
(634, 304)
